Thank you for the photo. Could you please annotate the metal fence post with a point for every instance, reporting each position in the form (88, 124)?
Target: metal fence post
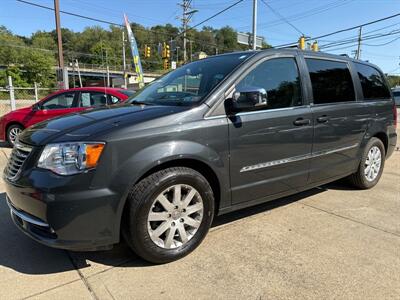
(36, 93)
(12, 95)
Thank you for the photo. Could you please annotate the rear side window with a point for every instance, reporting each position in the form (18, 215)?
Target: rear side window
(90, 99)
(372, 82)
(331, 81)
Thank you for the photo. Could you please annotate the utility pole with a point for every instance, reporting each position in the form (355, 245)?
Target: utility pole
(359, 43)
(185, 21)
(124, 59)
(79, 73)
(60, 74)
(254, 24)
(108, 70)
(187, 14)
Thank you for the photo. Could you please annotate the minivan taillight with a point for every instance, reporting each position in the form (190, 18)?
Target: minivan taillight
(395, 114)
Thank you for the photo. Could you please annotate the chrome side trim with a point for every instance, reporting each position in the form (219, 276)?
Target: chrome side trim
(327, 152)
(272, 110)
(274, 163)
(294, 159)
(25, 216)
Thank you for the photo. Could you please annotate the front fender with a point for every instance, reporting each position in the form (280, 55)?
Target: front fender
(150, 157)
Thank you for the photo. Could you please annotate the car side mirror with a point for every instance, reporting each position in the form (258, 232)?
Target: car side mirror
(247, 99)
(36, 107)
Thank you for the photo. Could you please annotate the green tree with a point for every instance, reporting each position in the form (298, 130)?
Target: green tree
(226, 39)
(38, 68)
(43, 40)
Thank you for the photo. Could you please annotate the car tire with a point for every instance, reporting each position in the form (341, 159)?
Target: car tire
(161, 232)
(371, 165)
(12, 132)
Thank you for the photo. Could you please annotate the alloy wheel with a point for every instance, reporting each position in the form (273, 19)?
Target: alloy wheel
(373, 163)
(175, 216)
(13, 134)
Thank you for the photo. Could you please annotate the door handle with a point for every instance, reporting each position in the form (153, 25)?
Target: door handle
(322, 119)
(301, 122)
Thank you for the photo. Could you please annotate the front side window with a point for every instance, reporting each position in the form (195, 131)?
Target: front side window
(61, 101)
(331, 81)
(372, 83)
(279, 78)
(90, 99)
(191, 83)
(113, 100)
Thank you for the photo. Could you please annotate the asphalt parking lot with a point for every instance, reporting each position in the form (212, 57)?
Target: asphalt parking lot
(329, 242)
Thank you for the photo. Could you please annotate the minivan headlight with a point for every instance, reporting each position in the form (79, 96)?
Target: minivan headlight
(70, 158)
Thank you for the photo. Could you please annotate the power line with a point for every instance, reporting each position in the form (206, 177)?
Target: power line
(282, 17)
(341, 30)
(354, 39)
(165, 34)
(304, 14)
(216, 14)
(71, 14)
(365, 38)
(387, 43)
(354, 43)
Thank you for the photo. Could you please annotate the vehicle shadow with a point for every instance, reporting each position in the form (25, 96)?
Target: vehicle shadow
(18, 252)
(4, 145)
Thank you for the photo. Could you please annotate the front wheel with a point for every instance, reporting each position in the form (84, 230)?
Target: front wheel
(168, 214)
(12, 133)
(371, 166)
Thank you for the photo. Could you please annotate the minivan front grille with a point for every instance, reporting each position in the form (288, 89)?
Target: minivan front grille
(17, 158)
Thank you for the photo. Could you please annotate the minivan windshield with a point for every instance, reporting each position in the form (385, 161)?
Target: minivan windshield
(191, 83)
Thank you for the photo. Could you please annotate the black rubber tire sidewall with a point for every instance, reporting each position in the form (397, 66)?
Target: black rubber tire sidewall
(358, 178)
(140, 200)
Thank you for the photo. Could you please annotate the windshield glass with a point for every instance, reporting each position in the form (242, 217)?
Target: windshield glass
(396, 94)
(191, 83)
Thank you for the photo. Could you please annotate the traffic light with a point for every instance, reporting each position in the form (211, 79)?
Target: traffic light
(165, 64)
(302, 43)
(314, 46)
(167, 52)
(147, 51)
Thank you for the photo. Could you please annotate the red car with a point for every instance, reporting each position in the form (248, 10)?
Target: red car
(56, 104)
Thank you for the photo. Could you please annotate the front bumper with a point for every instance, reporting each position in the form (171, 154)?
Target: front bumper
(82, 220)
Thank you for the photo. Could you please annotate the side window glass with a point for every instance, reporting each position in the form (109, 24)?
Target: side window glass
(331, 81)
(85, 100)
(89, 99)
(279, 78)
(372, 83)
(61, 101)
(113, 99)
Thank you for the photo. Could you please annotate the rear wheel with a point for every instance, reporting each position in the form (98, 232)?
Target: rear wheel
(168, 214)
(12, 133)
(371, 166)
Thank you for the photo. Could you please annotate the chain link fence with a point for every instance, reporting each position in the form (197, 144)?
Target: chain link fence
(12, 98)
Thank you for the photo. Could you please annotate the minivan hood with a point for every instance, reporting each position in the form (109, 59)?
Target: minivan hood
(87, 123)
